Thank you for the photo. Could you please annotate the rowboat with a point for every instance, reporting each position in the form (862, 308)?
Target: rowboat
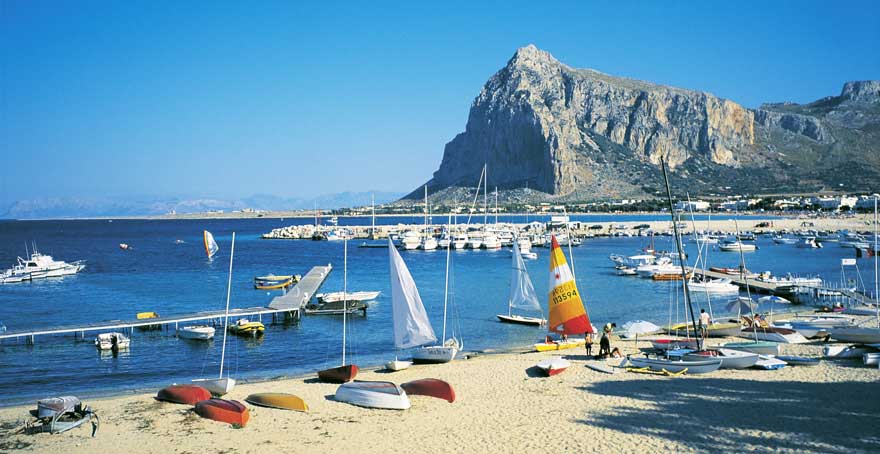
(339, 374)
(222, 410)
(553, 366)
(730, 359)
(245, 327)
(559, 344)
(674, 366)
(430, 387)
(183, 394)
(373, 394)
(273, 285)
(196, 332)
(759, 347)
(283, 401)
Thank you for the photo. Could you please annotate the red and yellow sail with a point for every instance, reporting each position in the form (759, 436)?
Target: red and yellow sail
(567, 313)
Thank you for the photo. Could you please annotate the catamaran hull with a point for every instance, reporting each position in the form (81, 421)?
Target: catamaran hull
(520, 320)
(434, 354)
(693, 367)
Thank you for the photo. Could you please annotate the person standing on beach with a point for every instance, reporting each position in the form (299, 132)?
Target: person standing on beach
(588, 343)
(704, 323)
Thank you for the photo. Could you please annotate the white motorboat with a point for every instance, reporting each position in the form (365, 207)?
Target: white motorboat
(784, 240)
(491, 241)
(39, 266)
(410, 240)
(475, 242)
(373, 394)
(429, 244)
(334, 297)
(459, 241)
(790, 280)
(112, 341)
(524, 244)
(737, 246)
(809, 243)
(529, 255)
(196, 332)
(722, 286)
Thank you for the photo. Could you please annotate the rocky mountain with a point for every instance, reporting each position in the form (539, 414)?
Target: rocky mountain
(581, 134)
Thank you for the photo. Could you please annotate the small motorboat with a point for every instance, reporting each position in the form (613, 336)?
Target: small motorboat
(125, 247)
(283, 401)
(339, 374)
(183, 394)
(245, 327)
(553, 366)
(112, 341)
(196, 332)
(272, 282)
(348, 296)
(373, 394)
(430, 387)
(529, 255)
(222, 410)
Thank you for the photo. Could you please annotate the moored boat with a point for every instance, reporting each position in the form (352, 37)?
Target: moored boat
(245, 327)
(112, 341)
(373, 394)
(196, 332)
(183, 394)
(282, 401)
(222, 410)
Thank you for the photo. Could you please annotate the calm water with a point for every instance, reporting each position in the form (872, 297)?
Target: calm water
(159, 275)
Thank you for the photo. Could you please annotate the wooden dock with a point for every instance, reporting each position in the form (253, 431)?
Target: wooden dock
(289, 306)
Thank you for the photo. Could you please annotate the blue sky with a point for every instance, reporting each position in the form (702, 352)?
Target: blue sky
(229, 99)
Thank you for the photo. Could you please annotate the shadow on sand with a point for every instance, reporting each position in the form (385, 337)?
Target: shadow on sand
(714, 414)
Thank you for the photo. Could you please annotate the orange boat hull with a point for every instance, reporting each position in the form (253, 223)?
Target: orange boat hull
(430, 387)
(222, 410)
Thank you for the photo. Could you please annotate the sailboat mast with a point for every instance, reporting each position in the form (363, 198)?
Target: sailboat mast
(226, 315)
(373, 210)
(496, 205)
(344, 292)
(426, 212)
(681, 260)
(485, 198)
(446, 290)
(876, 253)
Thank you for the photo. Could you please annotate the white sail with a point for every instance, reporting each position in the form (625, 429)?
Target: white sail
(411, 325)
(522, 292)
(211, 247)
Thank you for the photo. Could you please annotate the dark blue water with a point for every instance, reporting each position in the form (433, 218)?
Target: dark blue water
(159, 275)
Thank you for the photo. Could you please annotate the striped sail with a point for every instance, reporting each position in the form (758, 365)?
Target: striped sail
(211, 247)
(567, 313)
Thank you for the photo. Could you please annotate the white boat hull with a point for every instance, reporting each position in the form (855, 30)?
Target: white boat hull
(693, 367)
(196, 332)
(730, 359)
(373, 395)
(434, 354)
(856, 334)
(217, 386)
(518, 319)
(396, 365)
(845, 351)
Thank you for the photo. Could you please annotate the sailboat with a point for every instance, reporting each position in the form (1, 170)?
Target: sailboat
(345, 372)
(221, 385)
(211, 247)
(411, 325)
(448, 348)
(522, 293)
(567, 313)
(429, 243)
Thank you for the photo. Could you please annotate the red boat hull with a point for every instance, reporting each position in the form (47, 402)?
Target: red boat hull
(340, 374)
(553, 371)
(222, 410)
(183, 394)
(430, 387)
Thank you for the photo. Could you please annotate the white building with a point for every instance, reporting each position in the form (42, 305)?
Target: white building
(834, 203)
(694, 205)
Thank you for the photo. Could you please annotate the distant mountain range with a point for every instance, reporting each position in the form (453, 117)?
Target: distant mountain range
(77, 207)
(579, 134)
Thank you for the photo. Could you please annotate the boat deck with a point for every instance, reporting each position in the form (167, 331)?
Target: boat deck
(290, 304)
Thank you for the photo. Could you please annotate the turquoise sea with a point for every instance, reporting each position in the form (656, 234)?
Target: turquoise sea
(162, 276)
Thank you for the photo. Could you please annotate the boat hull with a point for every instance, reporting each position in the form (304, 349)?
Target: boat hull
(693, 367)
(339, 374)
(434, 354)
(217, 386)
(714, 330)
(760, 347)
(856, 334)
(282, 401)
(780, 335)
(430, 387)
(222, 410)
(730, 359)
(196, 332)
(183, 394)
(560, 345)
(396, 365)
(370, 394)
(671, 344)
(769, 362)
(520, 320)
(553, 366)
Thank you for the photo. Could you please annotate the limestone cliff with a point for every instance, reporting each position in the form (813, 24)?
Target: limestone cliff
(562, 131)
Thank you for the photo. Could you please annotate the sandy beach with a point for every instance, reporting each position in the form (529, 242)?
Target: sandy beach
(503, 405)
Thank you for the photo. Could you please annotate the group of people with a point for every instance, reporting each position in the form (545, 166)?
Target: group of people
(605, 350)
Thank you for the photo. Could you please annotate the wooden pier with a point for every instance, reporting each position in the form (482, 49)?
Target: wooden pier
(289, 306)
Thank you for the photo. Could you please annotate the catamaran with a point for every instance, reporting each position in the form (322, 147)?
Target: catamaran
(522, 293)
(211, 247)
(448, 348)
(221, 385)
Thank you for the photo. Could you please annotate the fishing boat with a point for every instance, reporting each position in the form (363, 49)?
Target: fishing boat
(282, 401)
(411, 327)
(446, 350)
(430, 387)
(222, 410)
(222, 385)
(568, 315)
(553, 366)
(730, 359)
(247, 328)
(39, 266)
(211, 247)
(345, 372)
(183, 394)
(112, 341)
(759, 347)
(373, 394)
(522, 293)
(196, 332)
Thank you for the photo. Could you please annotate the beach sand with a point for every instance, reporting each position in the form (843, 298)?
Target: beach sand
(504, 406)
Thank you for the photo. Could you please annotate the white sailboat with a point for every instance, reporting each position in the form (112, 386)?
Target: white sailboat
(345, 372)
(411, 325)
(211, 247)
(448, 348)
(522, 294)
(221, 385)
(429, 243)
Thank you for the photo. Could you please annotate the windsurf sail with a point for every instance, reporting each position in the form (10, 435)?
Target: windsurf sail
(211, 247)
(567, 313)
